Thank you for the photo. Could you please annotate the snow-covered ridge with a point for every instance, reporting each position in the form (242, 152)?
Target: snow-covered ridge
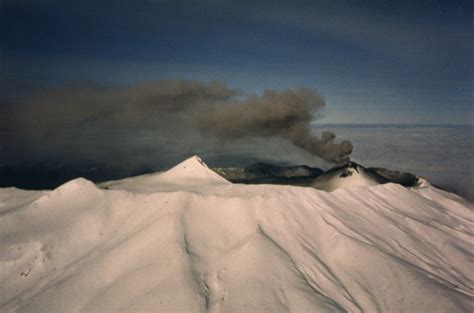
(192, 242)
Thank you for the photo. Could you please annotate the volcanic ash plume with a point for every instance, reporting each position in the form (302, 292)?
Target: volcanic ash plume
(285, 114)
(212, 107)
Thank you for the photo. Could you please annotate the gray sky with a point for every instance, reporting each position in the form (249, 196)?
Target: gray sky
(373, 61)
(81, 82)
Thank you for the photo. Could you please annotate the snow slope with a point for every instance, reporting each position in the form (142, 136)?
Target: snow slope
(188, 241)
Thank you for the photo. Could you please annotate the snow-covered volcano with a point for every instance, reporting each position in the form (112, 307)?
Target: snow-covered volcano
(189, 174)
(187, 240)
(349, 175)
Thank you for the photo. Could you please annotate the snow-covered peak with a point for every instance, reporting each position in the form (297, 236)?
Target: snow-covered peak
(191, 172)
(347, 176)
(75, 185)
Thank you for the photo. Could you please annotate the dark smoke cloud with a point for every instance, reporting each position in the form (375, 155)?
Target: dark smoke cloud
(213, 108)
(286, 114)
(141, 104)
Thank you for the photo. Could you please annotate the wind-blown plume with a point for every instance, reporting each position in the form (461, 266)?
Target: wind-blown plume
(287, 114)
(213, 108)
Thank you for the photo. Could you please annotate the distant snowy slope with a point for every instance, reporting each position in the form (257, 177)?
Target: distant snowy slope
(189, 173)
(188, 241)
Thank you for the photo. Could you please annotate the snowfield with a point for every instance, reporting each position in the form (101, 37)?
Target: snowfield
(187, 240)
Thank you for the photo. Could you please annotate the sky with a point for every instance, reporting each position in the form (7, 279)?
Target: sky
(109, 89)
(377, 62)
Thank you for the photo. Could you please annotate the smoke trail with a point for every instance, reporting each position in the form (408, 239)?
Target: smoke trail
(212, 108)
(285, 114)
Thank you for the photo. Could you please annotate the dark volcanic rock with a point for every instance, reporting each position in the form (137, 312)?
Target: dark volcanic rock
(265, 173)
(303, 175)
(402, 178)
(380, 174)
(270, 170)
